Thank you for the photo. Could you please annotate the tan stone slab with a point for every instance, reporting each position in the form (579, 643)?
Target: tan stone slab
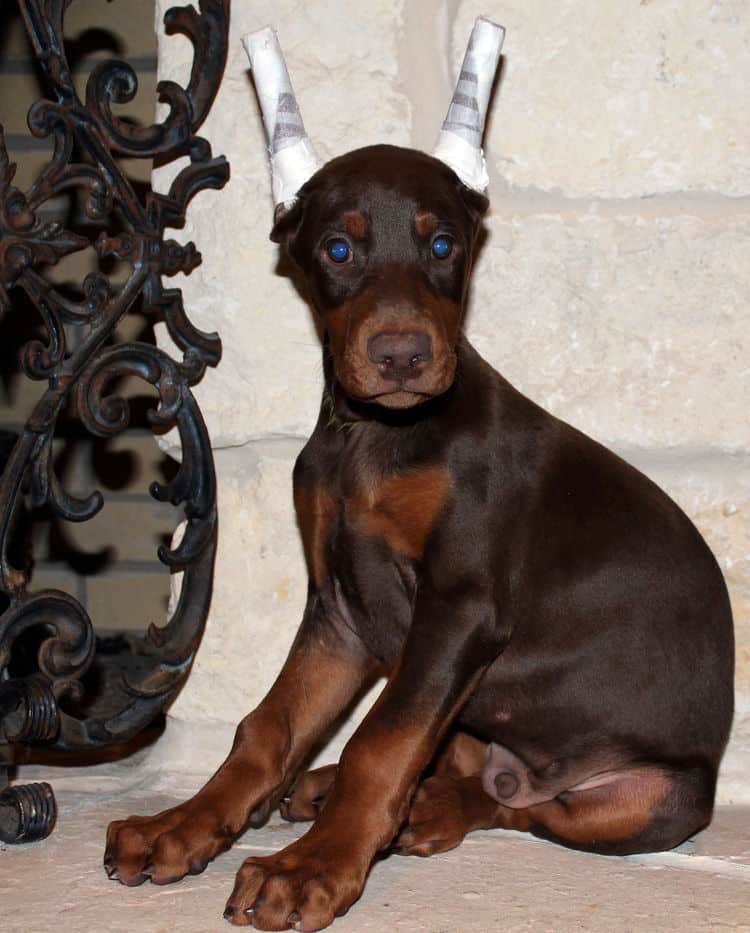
(122, 530)
(132, 22)
(134, 326)
(139, 170)
(727, 838)
(73, 268)
(128, 600)
(617, 99)
(29, 165)
(260, 585)
(72, 463)
(18, 396)
(17, 93)
(633, 327)
(494, 881)
(125, 464)
(55, 577)
(129, 463)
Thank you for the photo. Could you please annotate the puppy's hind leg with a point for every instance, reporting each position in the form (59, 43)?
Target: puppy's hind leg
(640, 809)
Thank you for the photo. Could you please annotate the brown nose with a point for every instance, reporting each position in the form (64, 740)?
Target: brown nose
(399, 355)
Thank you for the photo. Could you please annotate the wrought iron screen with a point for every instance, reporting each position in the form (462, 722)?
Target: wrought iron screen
(78, 361)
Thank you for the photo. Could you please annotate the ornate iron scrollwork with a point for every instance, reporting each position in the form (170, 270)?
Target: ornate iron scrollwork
(87, 139)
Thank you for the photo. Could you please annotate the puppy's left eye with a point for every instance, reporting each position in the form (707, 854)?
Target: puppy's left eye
(338, 250)
(442, 247)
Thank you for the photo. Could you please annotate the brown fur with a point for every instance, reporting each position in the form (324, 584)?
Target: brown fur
(315, 510)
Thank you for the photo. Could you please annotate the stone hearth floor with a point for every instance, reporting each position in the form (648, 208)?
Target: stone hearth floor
(495, 881)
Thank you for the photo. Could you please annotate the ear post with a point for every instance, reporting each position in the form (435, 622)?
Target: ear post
(459, 144)
(293, 158)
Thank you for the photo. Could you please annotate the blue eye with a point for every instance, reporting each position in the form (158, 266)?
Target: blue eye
(338, 250)
(442, 246)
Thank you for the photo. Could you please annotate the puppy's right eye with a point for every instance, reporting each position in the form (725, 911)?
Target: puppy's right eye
(442, 247)
(338, 250)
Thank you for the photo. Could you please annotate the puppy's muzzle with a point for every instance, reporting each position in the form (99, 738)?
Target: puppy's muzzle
(400, 356)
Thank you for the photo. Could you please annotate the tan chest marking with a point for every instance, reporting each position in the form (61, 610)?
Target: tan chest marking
(315, 508)
(403, 508)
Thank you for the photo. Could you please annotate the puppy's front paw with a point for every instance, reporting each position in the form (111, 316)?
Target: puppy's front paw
(298, 887)
(165, 847)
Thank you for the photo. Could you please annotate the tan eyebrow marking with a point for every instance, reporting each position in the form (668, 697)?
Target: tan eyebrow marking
(426, 223)
(355, 224)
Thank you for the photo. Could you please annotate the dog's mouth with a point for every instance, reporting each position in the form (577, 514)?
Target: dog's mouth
(398, 398)
(366, 384)
(371, 388)
(394, 369)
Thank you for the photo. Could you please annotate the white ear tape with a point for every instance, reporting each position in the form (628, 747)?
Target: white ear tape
(460, 142)
(293, 159)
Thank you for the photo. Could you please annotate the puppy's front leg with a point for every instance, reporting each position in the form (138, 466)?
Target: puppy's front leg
(453, 639)
(325, 669)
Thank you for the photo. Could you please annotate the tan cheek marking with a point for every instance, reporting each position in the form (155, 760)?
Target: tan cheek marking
(348, 333)
(337, 322)
(445, 314)
(355, 224)
(403, 508)
(426, 223)
(316, 509)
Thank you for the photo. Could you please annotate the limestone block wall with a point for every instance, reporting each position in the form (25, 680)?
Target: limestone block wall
(612, 287)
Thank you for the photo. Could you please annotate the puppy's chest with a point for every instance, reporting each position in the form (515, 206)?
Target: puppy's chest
(364, 538)
(399, 510)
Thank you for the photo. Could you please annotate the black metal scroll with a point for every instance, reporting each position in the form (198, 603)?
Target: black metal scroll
(46, 706)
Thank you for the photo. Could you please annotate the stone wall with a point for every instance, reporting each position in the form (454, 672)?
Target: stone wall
(612, 287)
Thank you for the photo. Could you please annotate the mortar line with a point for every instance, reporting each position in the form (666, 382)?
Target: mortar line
(526, 202)
(674, 455)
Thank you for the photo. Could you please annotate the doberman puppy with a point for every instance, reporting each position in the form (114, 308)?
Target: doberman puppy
(556, 635)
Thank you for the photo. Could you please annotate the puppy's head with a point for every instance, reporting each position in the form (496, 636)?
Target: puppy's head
(384, 237)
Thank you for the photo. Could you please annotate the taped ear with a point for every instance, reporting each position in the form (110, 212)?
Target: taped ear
(459, 144)
(293, 159)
